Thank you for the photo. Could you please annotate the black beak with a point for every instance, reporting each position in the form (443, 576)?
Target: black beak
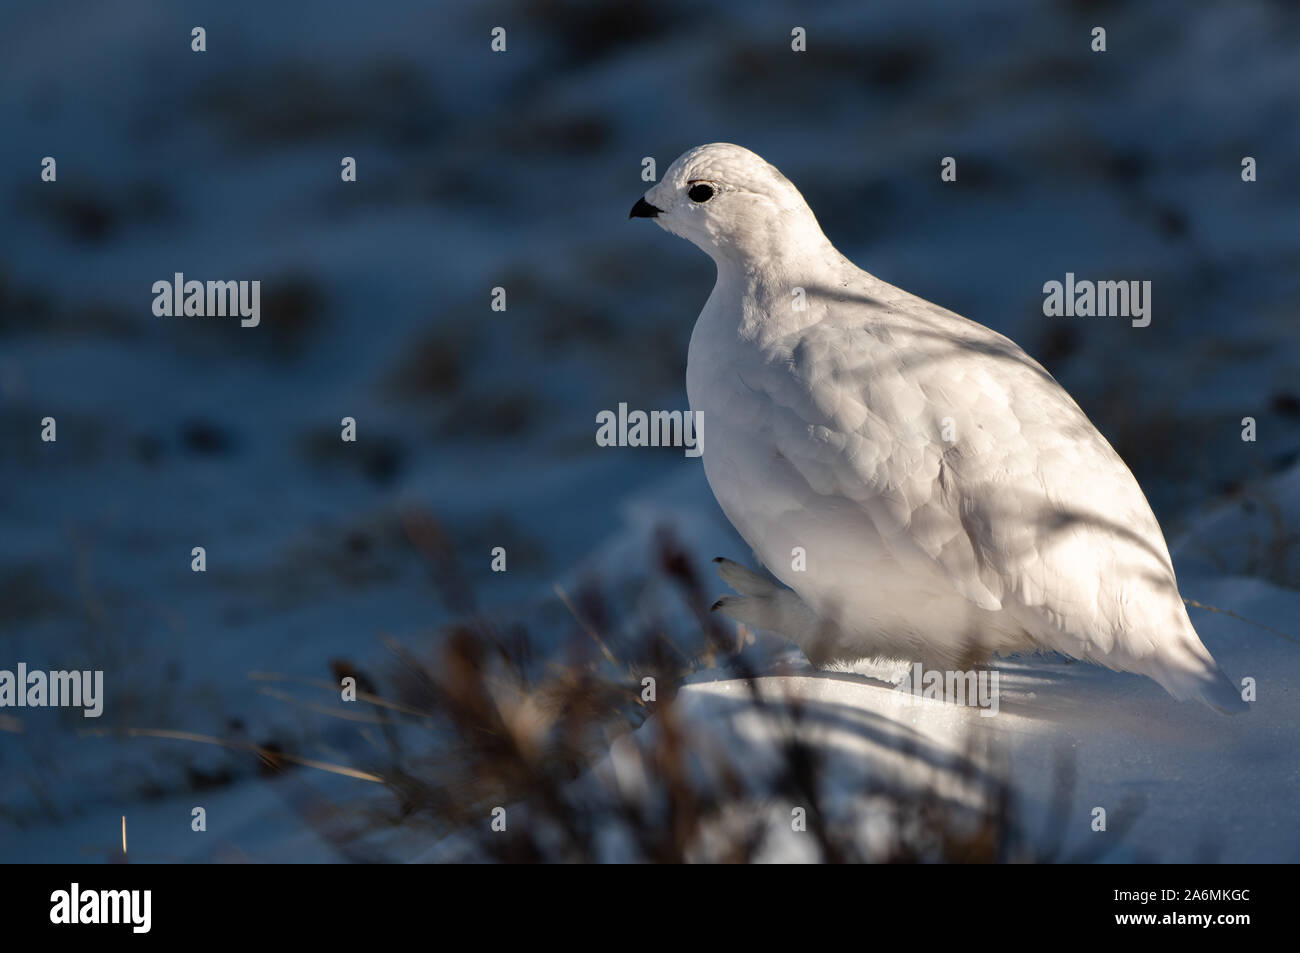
(643, 209)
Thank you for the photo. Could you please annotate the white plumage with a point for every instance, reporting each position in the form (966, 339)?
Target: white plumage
(952, 500)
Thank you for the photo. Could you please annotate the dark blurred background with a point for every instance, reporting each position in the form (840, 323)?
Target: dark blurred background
(479, 169)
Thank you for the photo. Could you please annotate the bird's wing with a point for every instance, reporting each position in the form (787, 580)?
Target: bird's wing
(967, 457)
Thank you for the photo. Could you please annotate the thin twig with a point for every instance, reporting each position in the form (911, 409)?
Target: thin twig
(1259, 625)
(267, 755)
(331, 687)
(609, 656)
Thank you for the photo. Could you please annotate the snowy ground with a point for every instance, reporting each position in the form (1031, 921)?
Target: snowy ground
(1179, 783)
(517, 170)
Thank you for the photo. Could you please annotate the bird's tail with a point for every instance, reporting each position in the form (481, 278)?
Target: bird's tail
(1190, 671)
(1217, 690)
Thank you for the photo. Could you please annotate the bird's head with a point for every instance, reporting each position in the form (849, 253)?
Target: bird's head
(732, 204)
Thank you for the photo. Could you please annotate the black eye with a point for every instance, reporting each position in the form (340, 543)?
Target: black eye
(700, 193)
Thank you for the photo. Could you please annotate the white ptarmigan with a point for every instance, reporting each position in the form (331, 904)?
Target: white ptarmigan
(950, 499)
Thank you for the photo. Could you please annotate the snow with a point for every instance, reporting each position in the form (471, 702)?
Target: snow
(1184, 781)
